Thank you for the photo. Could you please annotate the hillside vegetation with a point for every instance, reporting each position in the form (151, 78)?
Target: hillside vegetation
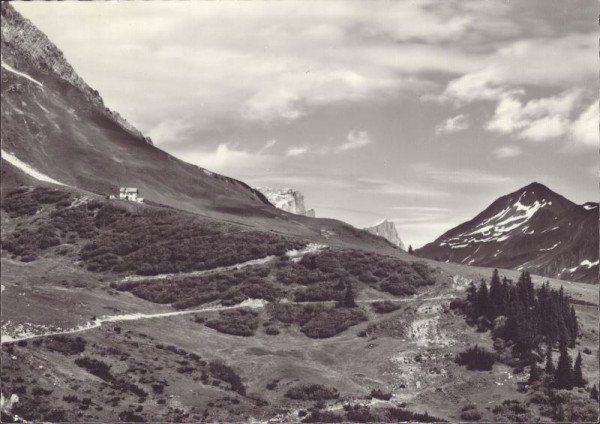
(124, 238)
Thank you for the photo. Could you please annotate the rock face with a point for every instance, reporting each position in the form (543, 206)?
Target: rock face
(533, 229)
(287, 199)
(22, 40)
(387, 230)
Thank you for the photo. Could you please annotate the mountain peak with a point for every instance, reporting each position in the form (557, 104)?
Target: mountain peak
(387, 230)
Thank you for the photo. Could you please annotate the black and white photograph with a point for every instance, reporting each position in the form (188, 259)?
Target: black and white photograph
(337, 211)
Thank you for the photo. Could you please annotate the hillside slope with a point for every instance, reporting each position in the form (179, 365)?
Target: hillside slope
(58, 125)
(532, 228)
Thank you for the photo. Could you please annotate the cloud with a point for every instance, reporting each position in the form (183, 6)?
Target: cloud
(296, 151)
(227, 159)
(170, 131)
(584, 130)
(268, 145)
(452, 125)
(506, 152)
(395, 188)
(355, 140)
(537, 119)
(460, 176)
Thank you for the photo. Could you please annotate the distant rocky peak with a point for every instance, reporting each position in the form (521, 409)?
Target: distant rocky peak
(287, 199)
(388, 231)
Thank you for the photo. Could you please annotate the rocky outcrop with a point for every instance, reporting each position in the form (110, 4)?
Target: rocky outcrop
(32, 48)
(287, 199)
(388, 231)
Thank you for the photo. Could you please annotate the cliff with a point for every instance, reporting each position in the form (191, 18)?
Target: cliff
(287, 199)
(387, 230)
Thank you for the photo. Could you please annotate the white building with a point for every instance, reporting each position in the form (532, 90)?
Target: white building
(130, 193)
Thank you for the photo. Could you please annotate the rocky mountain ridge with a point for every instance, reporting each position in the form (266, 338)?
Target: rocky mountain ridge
(388, 231)
(30, 44)
(287, 199)
(533, 228)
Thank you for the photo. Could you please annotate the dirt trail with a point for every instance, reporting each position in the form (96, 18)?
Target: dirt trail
(294, 255)
(248, 303)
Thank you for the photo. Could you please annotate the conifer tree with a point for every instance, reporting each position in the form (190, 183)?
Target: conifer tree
(549, 369)
(410, 249)
(594, 393)
(483, 300)
(349, 297)
(574, 325)
(563, 377)
(495, 296)
(578, 379)
(534, 372)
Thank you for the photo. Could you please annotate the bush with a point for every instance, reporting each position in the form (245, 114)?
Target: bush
(470, 415)
(224, 373)
(379, 394)
(272, 331)
(331, 322)
(476, 358)
(312, 392)
(95, 367)
(238, 322)
(385, 307)
(67, 345)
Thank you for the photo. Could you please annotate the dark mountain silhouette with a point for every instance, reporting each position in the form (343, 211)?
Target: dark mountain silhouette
(533, 228)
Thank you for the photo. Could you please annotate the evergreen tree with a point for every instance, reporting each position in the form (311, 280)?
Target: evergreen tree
(574, 325)
(549, 368)
(483, 300)
(563, 377)
(410, 249)
(348, 301)
(578, 379)
(495, 296)
(534, 372)
(594, 393)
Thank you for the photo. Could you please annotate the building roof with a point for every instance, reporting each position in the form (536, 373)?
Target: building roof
(128, 190)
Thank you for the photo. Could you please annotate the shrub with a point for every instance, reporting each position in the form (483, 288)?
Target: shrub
(95, 367)
(379, 394)
(470, 415)
(476, 358)
(272, 331)
(224, 373)
(385, 307)
(312, 392)
(65, 344)
(238, 322)
(330, 322)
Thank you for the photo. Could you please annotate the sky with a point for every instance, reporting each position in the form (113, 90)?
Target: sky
(422, 112)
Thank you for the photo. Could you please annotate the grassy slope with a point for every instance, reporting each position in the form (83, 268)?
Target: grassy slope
(53, 287)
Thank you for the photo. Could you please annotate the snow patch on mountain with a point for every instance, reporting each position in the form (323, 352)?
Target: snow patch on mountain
(21, 74)
(550, 248)
(13, 160)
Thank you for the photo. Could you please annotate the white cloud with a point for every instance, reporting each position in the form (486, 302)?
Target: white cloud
(227, 159)
(268, 145)
(395, 188)
(170, 131)
(451, 125)
(535, 120)
(355, 140)
(584, 130)
(296, 151)
(506, 152)
(460, 176)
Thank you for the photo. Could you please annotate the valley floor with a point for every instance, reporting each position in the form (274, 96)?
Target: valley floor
(408, 353)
